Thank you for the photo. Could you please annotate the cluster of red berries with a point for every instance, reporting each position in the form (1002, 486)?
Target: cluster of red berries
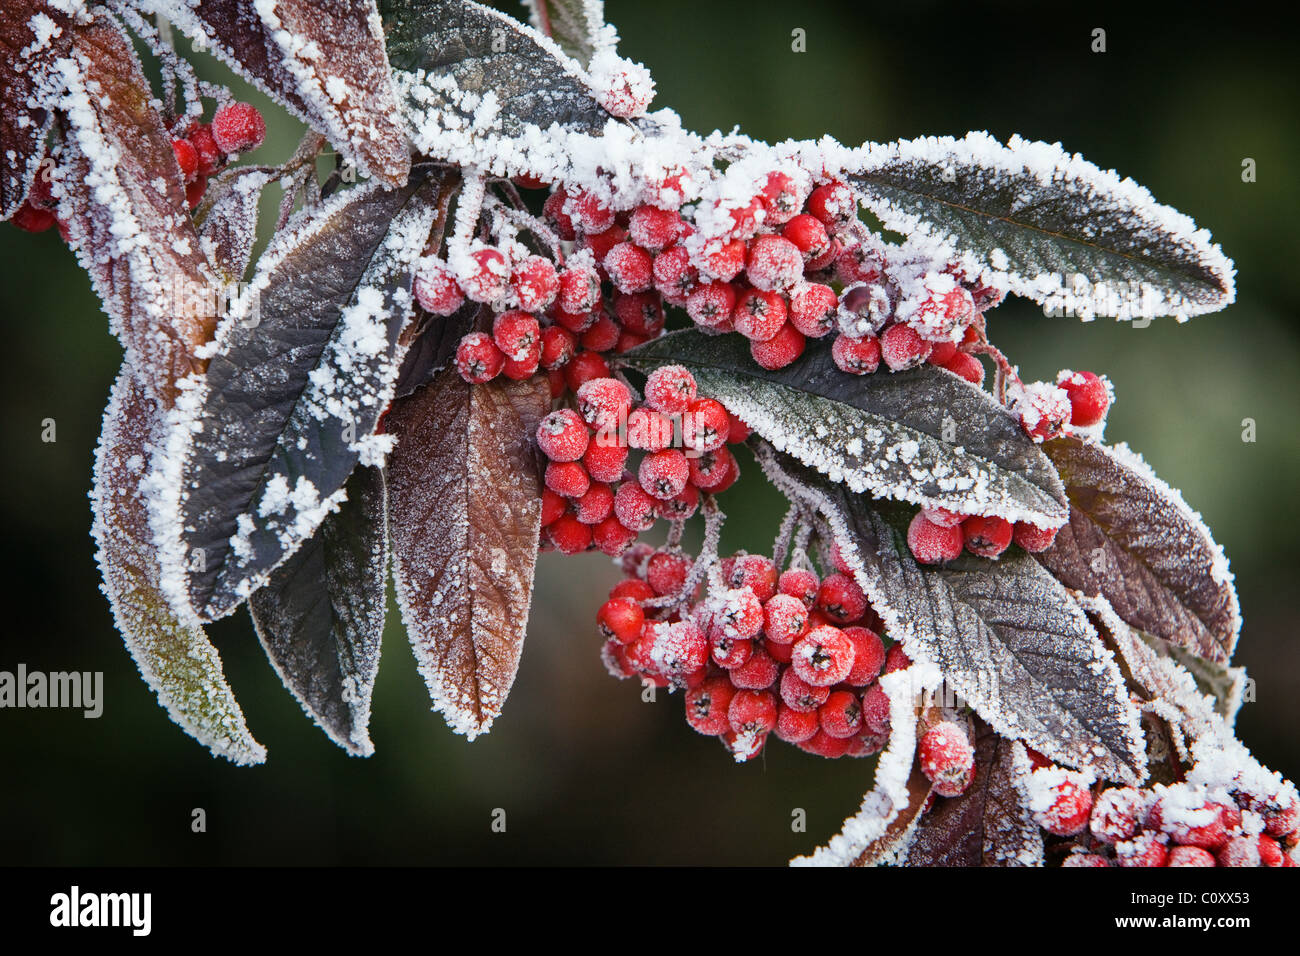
(758, 651)
(1078, 399)
(937, 535)
(595, 496)
(203, 150)
(1174, 825)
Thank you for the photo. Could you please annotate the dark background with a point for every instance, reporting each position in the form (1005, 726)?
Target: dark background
(587, 772)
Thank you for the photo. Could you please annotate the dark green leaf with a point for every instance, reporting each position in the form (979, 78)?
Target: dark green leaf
(1038, 217)
(320, 617)
(924, 435)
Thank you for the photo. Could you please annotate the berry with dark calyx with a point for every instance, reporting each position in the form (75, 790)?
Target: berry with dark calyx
(813, 309)
(478, 359)
(710, 471)
(604, 402)
(630, 267)
(1089, 398)
(833, 203)
(823, 656)
(1059, 800)
(863, 309)
(567, 478)
(759, 314)
(754, 571)
(875, 709)
(663, 474)
(640, 312)
(737, 613)
(931, 543)
(799, 695)
(1033, 538)
(752, 712)
(986, 535)
(569, 535)
(868, 656)
(773, 264)
(947, 758)
(612, 537)
(436, 288)
(486, 275)
(526, 366)
(799, 583)
(595, 505)
(902, 348)
(674, 276)
(728, 651)
(603, 460)
(711, 305)
(653, 228)
(841, 599)
(682, 506)
(578, 290)
(841, 715)
(562, 436)
(534, 283)
(558, 347)
(707, 706)
(724, 263)
(781, 197)
(705, 425)
(780, 350)
(621, 620)
(856, 356)
(1044, 410)
(678, 650)
(649, 430)
(967, 366)
(784, 619)
(808, 234)
(670, 389)
(238, 128)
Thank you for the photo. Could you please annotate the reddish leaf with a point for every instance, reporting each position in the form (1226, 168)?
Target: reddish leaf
(1132, 540)
(227, 218)
(33, 33)
(886, 847)
(126, 212)
(465, 498)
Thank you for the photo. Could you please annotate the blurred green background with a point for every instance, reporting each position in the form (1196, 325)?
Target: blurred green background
(586, 772)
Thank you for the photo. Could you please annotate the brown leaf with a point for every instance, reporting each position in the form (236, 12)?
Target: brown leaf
(985, 826)
(886, 847)
(33, 34)
(1132, 540)
(465, 500)
(227, 218)
(126, 212)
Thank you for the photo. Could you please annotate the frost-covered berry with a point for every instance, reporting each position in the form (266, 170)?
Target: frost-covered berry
(526, 365)
(902, 348)
(569, 535)
(896, 659)
(711, 305)
(857, 356)
(621, 620)
(754, 571)
(795, 726)
(209, 153)
(856, 264)
(674, 276)
(1033, 538)
(841, 599)
(943, 517)
(799, 695)
(1044, 410)
(238, 128)
(723, 262)
(1270, 853)
(596, 504)
(752, 712)
(1187, 817)
(583, 367)
(640, 312)
(943, 308)
(868, 656)
(931, 543)
(670, 389)
(562, 436)
(780, 350)
(728, 651)
(841, 715)
(1117, 814)
(635, 509)
(653, 228)
(711, 469)
(589, 212)
(986, 535)
(813, 309)
(611, 537)
(624, 88)
(478, 359)
(558, 347)
(436, 288)
(967, 366)
(824, 745)
(809, 236)
(649, 430)
(678, 649)
(663, 474)
(864, 308)
(782, 198)
(875, 709)
(758, 673)
(1088, 860)
(705, 425)
(567, 478)
(554, 210)
(1189, 856)
(942, 353)
(515, 333)
(1237, 851)
(1089, 398)
(604, 402)
(682, 506)
(737, 613)
(579, 290)
(707, 706)
(1059, 800)
(823, 656)
(187, 158)
(799, 583)
(484, 276)
(534, 283)
(1146, 849)
(630, 267)
(759, 314)
(947, 758)
(784, 619)
(833, 203)
(666, 571)
(774, 263)
(553, 506)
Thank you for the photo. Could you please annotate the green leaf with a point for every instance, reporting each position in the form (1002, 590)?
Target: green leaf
(925, 435)
(320, 617)
(175, 657)
(1037, 218)
(1005, 634)
(1133, 540)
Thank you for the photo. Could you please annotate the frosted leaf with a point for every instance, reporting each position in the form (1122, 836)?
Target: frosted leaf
(175, 657)
(227, 218)
(578, 26)
(465, 482)
(923, 436)
(320, 617)
(434, 339)
(988, 824)
(1006, 635)
(1133, 540)
(33, 34)
(1047, 225)
(301, 370)
(123, 199)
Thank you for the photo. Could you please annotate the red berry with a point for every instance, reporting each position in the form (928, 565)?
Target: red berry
(986, 535)
(604, 402)
(518, 369)
(728, 651)
(705, 425)
(967, 366)
(630, 267)
(515, 333)
(841, 715)
(794, 726)
(569, 535)
(784, 618)
(1270, 853)
(942, 353)
(707, 706)
(868, 656)
(738, 432)
(589, 212)
(209, 153)
(674, 276)
(620, 619)
(947, 758)
(649, 430)
(602, 335)
(578, 290)
(841, 600)
(753, 571)
(678, 649)
(799, 695)
(808, 235)
(902, 348)
(774, 263)
(554, 210)
(759, 315)
(744, 219)
(833, 203)
(670, 389)
(1080, 860)
(801, 584)
(946, 308)
(436, 288)
(478, 359)
(596, 505)
(780, 350)
(567, 478)
(635, 509)
(604, 460)
(562, 436)
(1117, 813)
(485, 276)
(943, 517)
(534, 283)
(553, 506)
(931, 543)
(711, 469)
(1145, 849)
(640, 312)
(857, 356)
(1189, 856)
(813, 308)
(611, 537)
(1059, 800)
(752, 712)
(896, 659)
(1044, 410)
(585, 366)
(634, 589)
(823, 656)
(781, 198)
(875, 709)
(653, 228)
(711, 305)
(725, 263)
(666, 571)
(1088, 396)
(187, 158)
(238, 128)
(558, 348)
(1032, 538)
(30, 218)
(682, 506)
(738, 614)
(757, 673)
(663, 474)
(824, 745)
(1236, 851)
